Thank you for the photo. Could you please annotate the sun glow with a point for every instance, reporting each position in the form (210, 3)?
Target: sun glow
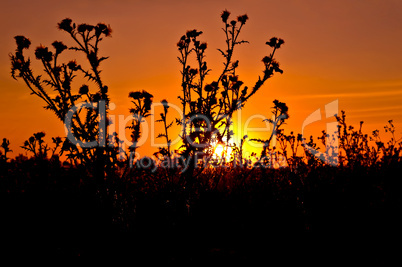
(222, 152)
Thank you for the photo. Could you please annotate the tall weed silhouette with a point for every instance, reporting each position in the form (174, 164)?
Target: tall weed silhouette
(208, 107)
(57, 88)
(142, 101)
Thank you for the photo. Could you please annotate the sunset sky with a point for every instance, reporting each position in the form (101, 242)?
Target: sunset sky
(350, 51)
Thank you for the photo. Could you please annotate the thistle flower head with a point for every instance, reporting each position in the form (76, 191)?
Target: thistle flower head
(279, 43)
(96, 97)
(225, 15)
(104, 89)
(272, 41)
(39, 135)
(99, 28)
(215, 85)
(266, 60)
(57, 140)
(208, 88)
(242, 19)
(82, 28)
(59, 46)
(275, 42)
(282, 107)
(299, 137)
(275, 66)
(83, 89)
(103, 28)
(193, 72)
(22, 42)
(43, 53)
(146, 95)
(193, 33)
(203, 46)
(233, 78)
(181, 44)
(135, 95)
(72, 65)
(147, 100)
(165, 104)
(65, 25)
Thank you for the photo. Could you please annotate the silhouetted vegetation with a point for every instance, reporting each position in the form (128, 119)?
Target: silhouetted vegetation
(69, 199)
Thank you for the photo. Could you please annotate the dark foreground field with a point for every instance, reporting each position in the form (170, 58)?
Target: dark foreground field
(323, 215)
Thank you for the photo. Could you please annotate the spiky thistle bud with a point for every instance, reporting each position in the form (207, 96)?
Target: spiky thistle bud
(225, 15)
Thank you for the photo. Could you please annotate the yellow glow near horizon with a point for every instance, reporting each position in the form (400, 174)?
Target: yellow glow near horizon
(222, 151)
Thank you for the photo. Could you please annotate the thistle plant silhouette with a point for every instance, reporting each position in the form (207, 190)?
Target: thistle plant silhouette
(142, 101)
(280, 115)
(37, 145)
(5, 145)
(208, 107)
(289, 146)
(355, 148)
(55, 87)
(165, 152)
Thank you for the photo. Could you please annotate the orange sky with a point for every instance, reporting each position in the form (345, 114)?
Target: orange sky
(345, 50)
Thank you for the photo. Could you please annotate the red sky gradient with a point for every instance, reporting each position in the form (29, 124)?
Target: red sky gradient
(345, 50)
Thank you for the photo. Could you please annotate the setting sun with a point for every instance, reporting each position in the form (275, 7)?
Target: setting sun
(222, 152)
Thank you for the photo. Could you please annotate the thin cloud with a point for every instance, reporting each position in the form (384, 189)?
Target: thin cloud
(380, 109)
(378, 93)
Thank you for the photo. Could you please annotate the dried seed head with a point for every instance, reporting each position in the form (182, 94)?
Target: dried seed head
(208, 88)
(83, 90)
(225, 15)
(242, 19)
(103, 28)
(266, 60)
(135, 95)
(65, 25)
(22, 42)
(43, 53)
(165, 104)
(59, 46)
(203, 46)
